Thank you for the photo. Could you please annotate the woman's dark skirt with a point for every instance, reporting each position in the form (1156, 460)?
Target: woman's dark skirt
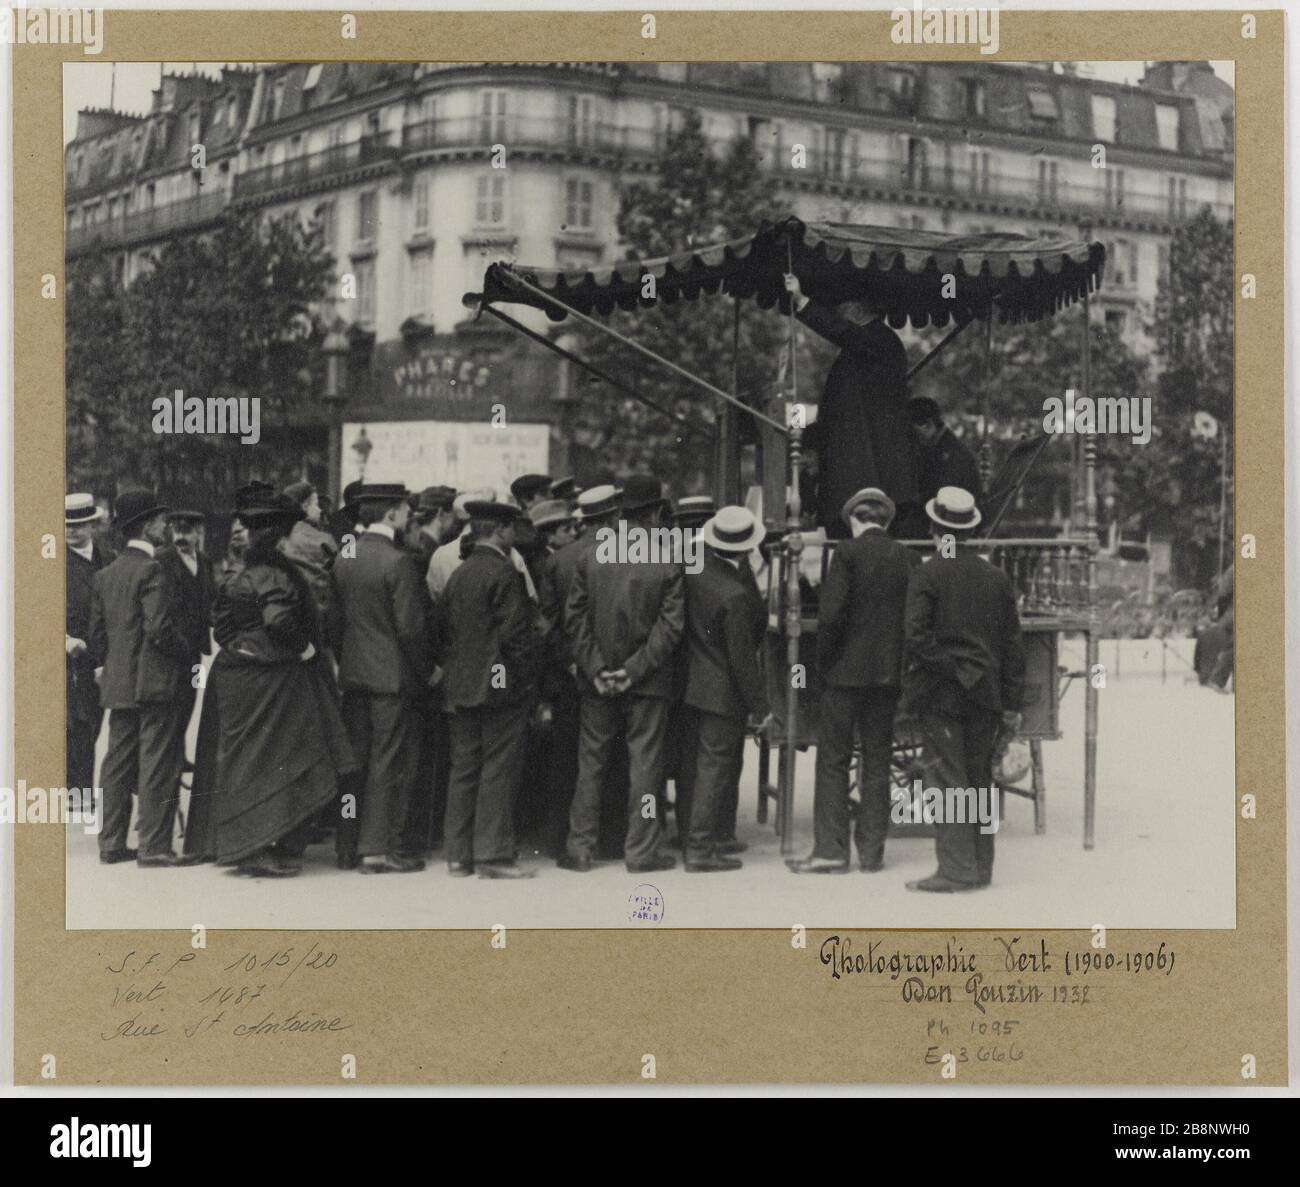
(280, 752)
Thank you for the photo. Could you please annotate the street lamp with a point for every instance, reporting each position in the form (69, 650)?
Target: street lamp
(336, 349)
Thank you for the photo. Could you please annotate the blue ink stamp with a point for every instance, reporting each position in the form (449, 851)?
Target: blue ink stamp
(646, 904)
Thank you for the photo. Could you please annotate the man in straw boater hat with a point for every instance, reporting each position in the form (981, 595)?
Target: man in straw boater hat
(726, 619)
(135, 639)
(860, 658)
(385, 655)
(86, 557)
(963, 677)
(627, 618)
(488, 644)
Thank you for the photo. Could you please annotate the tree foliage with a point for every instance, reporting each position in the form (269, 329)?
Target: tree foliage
(226, 314)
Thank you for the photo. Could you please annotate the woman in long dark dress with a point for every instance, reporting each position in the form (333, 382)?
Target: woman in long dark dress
(283, 747)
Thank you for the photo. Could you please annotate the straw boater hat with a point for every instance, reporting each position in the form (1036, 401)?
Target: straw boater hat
(564, 488)
(598, 502)
(80, 508)
(733, 529)
(549, 513)
(953, 507)
(694, 510)
(869, 494)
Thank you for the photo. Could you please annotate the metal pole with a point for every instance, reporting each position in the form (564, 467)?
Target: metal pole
(938, 347)
(986, 449)
(793, 607)
(1093, 642)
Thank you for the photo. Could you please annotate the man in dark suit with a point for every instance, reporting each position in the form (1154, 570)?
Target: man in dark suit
(860, 658)
(942, 458)
(964, 677)
(86, 557)
(488, 643)
(861, 433)
(135, 640)
(726, 620)
(626, 618)
(382, 636)
(192, 584)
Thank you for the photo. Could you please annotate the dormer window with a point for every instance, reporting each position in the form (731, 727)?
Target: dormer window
(194, 127)
(277, 100)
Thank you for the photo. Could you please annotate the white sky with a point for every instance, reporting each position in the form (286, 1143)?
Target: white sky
(89, 84)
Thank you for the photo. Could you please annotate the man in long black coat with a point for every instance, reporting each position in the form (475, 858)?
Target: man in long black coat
(192, 585)
(135, 640)
(383, 639)
(489, 643)
(964, 678)
(86, 557)
(861, 434)
(860, 658)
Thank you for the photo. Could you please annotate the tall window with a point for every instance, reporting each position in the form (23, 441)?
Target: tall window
(1177, 197)
(364, 270)
(492, 116)
(582, 118)
(420, 198)
(327, 216)
(577, 204)
(1104, 118)
(916, 163)
(1114, 189)
(367, 214)
(277, 100)
(980, 173)
(1167, 126)
(975, 98)
(429, 109)
(490, 200)
(833, 160)
(194, 127)
(421, 294)
(1048, 177)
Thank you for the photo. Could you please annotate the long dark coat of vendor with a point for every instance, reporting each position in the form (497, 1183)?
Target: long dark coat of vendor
(862, 433)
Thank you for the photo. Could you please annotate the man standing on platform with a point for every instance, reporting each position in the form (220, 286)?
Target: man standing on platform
(860, 658)
(964, 677)
(488, 643)
(86, 557)
(726, 620)
(627, 618)
(385, 661)
(943, 459)
(135, 640)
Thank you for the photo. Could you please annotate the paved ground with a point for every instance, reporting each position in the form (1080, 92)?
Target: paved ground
(1164, 856)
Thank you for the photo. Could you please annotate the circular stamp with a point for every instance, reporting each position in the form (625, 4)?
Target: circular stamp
(646, 904)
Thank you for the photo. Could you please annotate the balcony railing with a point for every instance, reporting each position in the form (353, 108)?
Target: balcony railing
(528, 133)
(141, 225)
(369, 150)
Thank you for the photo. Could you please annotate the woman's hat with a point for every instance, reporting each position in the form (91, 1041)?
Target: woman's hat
(598, 502)
(300, 492)
(271, 510)
(134, 506)
(868, 494)
(953, 507)
(80, 508)
(733, 529)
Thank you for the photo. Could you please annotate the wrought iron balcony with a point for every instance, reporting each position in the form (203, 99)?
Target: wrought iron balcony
(140, 226)
(343, 158)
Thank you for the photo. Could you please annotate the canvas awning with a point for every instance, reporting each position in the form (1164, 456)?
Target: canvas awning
(922, 277)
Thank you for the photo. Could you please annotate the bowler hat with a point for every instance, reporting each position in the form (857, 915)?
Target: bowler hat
(598, 502)
(641, 491)
(382, 492)
(134, 506)
(485, 494)
(733, 529)
(549, 512)
(953, 507)
(350, 493)
(186, 515)
(868, 494)
(80, 508)
(435, 498)
(694, 510)
(527, 486)
(486, 509)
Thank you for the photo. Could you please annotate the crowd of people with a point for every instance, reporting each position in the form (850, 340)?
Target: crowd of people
(449, 671)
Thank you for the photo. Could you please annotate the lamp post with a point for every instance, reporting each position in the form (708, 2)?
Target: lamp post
(335, 348)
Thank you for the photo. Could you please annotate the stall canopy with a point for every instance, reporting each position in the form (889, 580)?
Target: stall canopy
(1022, 277)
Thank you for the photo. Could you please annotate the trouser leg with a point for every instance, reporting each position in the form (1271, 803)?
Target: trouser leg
(441, 775)
(120, 778)
(958, 754)
(687, 739)
(352, 790)
(875, 716)
(981, 736)
(647, 726)
(504, 741)
(466, 733)
(836, 713)
(562, 770)
(599, 724)
(162, 750)
(387, 820)
(719, 740)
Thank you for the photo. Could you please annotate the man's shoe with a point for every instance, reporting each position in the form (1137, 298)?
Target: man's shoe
(816, 865)
(267, 865)
(460, 869)
(715, 864)
(160, 861)
(347, 859)
(653, 866)
(113, 856)
(579, 865)
(393, 863)
(871, 867)
(938, 884)
(503, 869)
(731, 846)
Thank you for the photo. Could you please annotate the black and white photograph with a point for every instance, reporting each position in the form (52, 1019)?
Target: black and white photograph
(710, 495)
